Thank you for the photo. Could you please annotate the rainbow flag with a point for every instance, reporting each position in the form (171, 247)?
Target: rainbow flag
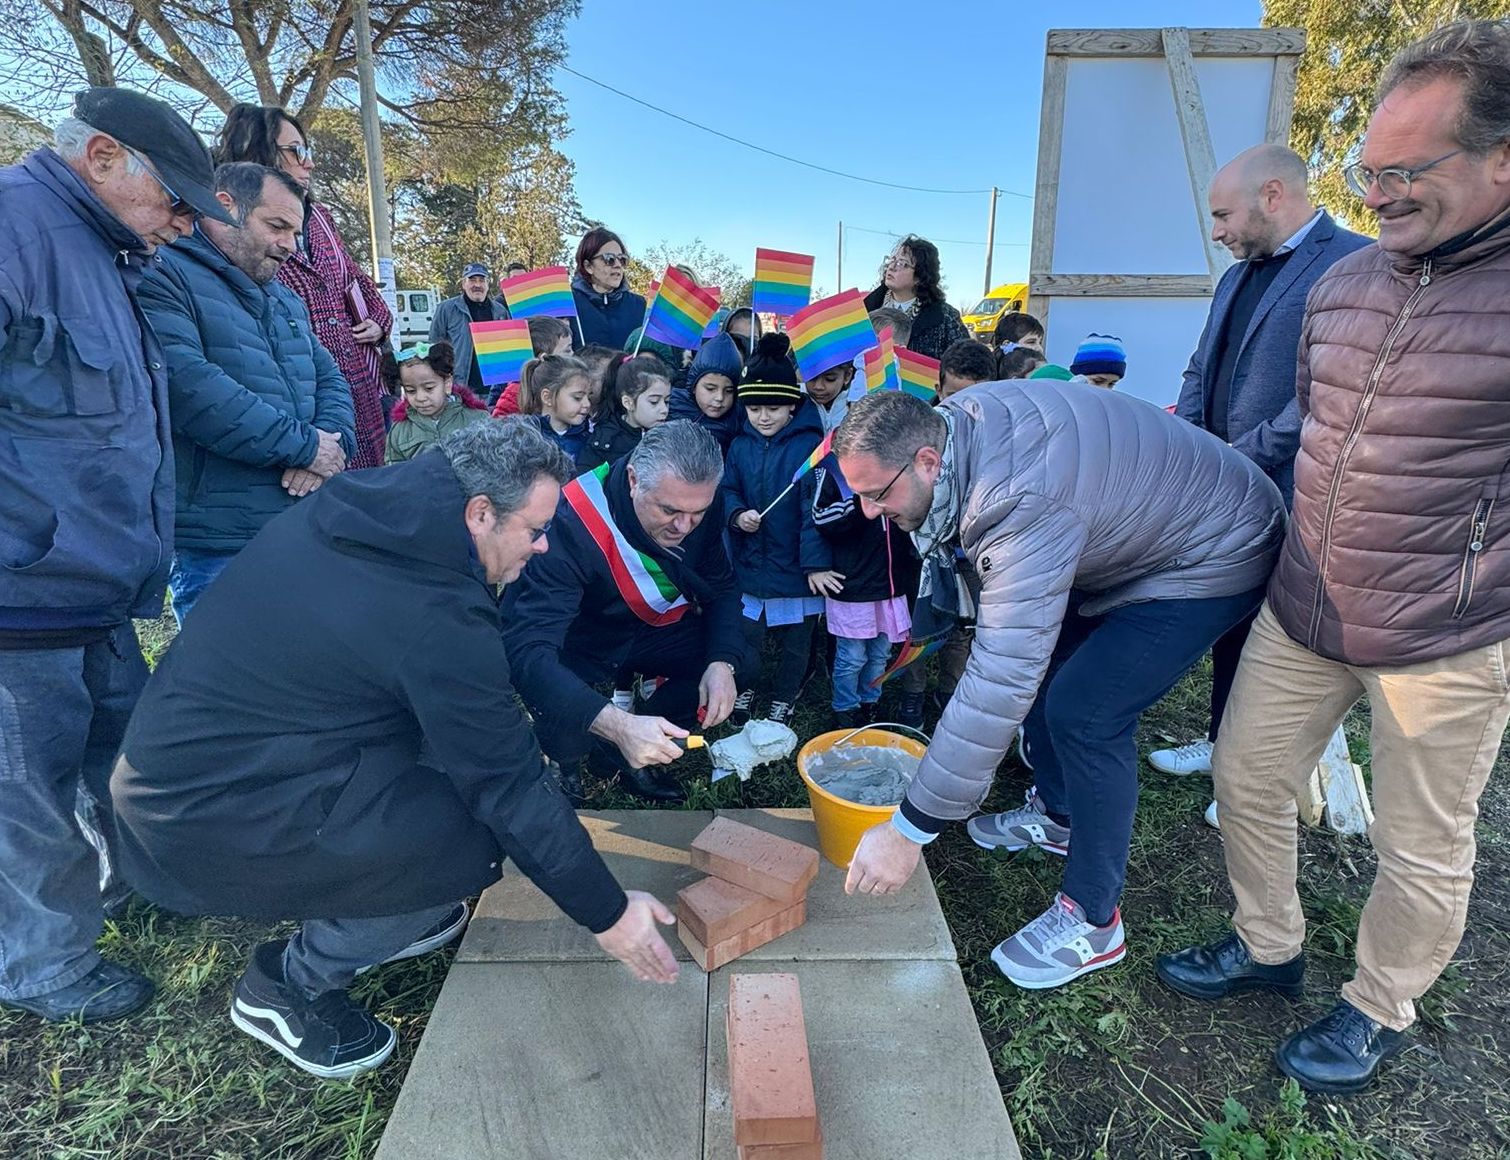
(502, 349)
(827, 333)
(716, 323)
(880, 369)
(783, 282)
(680, 311)
(920, 374)
(911, 650)
(540, 293)
(812, 461)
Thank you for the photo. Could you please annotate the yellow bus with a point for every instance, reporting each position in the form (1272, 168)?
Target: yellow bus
(981, 321)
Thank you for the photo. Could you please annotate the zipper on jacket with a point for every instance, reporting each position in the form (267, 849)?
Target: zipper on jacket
(1476, 529)
(1369, 391)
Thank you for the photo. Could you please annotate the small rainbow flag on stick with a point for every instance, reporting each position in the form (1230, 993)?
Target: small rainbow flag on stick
(808, 464)
(920, 374)
(540, 293)
(911, 650)
(680, 311)
(783, 282)
(880, 369)
(827, 333)
(502, 349)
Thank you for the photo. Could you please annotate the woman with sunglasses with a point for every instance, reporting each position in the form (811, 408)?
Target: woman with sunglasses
(607, 310)
(911, 282)
(349, 315)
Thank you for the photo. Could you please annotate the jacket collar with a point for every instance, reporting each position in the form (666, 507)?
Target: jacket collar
(57, 175)
(1485, 241)
(582, 284)
(199, 248)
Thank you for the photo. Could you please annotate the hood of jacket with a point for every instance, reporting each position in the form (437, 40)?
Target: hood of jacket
(462, 395)
(612, 298)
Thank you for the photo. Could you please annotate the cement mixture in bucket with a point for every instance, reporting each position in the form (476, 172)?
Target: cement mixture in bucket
(868, 775)
(758, 743)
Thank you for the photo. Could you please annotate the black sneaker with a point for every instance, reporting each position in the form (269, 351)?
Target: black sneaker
(438, 935)
(781, 712)
(870, 712)
(910, 710)
(110, 991)
(847, 719)
(744, 704)
(331, 1036)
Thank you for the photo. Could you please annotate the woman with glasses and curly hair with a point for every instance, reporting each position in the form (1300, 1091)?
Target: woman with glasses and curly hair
(607, 310)
(910, 282)
(350, 318)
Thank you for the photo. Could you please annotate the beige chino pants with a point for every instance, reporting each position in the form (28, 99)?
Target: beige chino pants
(1436, 732)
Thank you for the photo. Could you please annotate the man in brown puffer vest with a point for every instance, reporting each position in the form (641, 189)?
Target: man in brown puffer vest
(1394, 581)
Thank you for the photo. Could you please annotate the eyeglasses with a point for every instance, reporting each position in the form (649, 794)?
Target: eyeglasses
(418, 350)
(538, 534)
(1394, 182)
(612, 260)
(300, 151)
(880, 496)
(178, 207)
(896, 263)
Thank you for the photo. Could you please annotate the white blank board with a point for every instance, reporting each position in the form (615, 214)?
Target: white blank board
(1125, 206)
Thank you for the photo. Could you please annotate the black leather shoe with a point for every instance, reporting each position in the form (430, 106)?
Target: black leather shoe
(570, 782)
(1224, 968)
(108, 992)
(652, 785)
(1339, 1053)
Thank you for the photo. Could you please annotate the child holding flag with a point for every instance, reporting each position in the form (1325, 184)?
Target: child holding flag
(547, 336)
(555, 391)
(635, 394)
(781, 562)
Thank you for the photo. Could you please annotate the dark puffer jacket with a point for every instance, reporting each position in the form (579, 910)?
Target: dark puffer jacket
(777, 559)
(610, 440)
(875, 557)
(934, 328)
(1398, 552)
(248, 389)
(605, 319)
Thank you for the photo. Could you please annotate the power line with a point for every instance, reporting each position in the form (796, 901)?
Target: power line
(945, 241)
(772, 152)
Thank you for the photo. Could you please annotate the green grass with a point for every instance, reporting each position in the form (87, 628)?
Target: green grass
(1111, 1066)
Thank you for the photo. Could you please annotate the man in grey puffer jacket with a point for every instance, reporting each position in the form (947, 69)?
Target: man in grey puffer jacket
(1103, 545)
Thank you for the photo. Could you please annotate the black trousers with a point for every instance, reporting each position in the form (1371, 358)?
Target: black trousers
(1225, 654)
(793, 647)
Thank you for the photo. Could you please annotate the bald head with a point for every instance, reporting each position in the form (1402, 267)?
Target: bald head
(1259, 199)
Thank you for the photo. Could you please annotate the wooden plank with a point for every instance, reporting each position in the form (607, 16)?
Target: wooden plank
(1282, 99)
(1046, 192)
(1347, 806)
(1149, 42)
(1120, 286)
(1200, 160)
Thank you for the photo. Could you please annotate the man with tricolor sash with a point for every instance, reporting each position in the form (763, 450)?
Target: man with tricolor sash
(635, 580)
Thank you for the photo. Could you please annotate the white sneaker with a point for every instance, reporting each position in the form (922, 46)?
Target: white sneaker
(1060, 945)
(1210, 817)
(1183, 760)
(624, 699)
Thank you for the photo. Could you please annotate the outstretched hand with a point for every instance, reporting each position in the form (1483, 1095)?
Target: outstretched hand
(635, 941)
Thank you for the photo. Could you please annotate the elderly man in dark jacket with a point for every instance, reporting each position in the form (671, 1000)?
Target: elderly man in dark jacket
(86, 518)
(1394, 581)
(1105, 545)
(361, 764)
(453, 323)
(261, 414)
(638, 581)
(1240, 384)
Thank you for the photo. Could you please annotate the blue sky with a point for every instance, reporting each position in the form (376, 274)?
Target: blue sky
(942, 95)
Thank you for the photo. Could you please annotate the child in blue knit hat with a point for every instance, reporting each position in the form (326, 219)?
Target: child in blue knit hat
(1100, 361)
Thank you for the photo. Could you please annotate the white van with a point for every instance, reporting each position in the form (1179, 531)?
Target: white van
(414, 310)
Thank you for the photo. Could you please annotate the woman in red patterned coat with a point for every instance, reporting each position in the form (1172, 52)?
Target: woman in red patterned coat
(349, 315)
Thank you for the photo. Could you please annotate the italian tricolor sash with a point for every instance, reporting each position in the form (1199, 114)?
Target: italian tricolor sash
(641, 581)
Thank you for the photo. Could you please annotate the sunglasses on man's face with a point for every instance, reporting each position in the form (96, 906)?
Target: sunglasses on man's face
(614, 259)
(177, 206)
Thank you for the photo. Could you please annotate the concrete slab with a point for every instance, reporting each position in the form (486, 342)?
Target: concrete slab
(898, 1063)
(645, 849)
(905, 925)
(522, 1061)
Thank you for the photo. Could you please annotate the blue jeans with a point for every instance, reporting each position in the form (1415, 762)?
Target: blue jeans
(325, 954)
(63, 713)
(856, 664)
(190, 575)
(1105, 671)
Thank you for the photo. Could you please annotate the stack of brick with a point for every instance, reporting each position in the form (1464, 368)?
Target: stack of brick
(756, 891)
(770, 1077)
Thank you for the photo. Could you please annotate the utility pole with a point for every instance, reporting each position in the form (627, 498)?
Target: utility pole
(839, 266)
(990, 239)
(372, 137)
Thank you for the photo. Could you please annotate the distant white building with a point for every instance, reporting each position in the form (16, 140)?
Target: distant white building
(20, 134)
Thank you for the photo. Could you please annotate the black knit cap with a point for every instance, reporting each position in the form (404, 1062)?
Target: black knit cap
(770, 376)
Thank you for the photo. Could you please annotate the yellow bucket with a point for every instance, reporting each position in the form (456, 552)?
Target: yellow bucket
(841, 823)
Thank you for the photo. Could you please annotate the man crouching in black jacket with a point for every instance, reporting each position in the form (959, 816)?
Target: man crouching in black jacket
(334, 738)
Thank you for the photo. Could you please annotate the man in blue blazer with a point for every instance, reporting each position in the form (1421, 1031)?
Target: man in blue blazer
(1240, 384)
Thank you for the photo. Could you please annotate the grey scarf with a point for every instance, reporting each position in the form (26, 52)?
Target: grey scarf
(943, 596)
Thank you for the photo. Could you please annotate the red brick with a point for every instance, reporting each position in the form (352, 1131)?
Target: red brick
(813, 1151)
(765, 863)
(710, 958)
(770, 1077)
(715, 910)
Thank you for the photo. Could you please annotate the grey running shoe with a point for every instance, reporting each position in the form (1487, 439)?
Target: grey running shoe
(1018, 829)
(1059, 945)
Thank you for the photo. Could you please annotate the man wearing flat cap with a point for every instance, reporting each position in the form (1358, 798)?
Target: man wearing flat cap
(453, 322)
(86, 518)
